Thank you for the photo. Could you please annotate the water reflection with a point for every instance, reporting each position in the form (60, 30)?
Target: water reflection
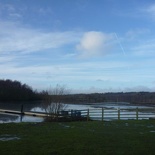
(18, 106)
(7, 118)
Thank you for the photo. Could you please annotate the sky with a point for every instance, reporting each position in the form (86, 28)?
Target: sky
(88, 46)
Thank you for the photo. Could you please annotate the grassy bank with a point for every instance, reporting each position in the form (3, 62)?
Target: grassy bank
(79, 138)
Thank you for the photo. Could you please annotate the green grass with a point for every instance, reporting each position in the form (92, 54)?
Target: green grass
(80, 138)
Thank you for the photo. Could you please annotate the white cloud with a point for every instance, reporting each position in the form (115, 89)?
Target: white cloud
(15, 38)
(94, 43)
(9, 11)
(95, 89)
(138, 89)
(149, 11)
(4, 59)
(61, 73)
(108, 73)
(134, 33)
(146, 48)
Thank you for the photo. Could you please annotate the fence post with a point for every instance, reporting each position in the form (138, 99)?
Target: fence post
(21, 110)
(102, 114)
(88, 115)
(137, 113)
(118, 113)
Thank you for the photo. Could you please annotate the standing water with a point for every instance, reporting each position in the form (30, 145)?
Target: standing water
(38, 107)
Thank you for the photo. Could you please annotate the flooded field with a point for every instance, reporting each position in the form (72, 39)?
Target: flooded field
(109, 107)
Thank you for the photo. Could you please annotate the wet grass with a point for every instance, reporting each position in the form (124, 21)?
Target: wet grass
(79, 138)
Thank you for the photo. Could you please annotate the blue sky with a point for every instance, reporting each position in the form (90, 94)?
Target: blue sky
(87, 45)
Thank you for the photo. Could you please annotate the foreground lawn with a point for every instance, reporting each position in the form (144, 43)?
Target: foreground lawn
(79, 138)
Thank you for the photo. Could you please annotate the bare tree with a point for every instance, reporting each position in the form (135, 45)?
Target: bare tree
(53, 100)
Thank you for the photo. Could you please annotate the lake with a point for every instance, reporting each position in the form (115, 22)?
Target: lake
(38, 107)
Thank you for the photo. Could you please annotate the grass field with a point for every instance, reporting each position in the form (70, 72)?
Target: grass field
(79, 138)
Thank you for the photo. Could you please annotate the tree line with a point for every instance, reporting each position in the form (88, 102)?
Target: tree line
(16, 91)
(131, 97)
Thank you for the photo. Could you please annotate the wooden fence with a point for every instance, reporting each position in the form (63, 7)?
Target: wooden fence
(97, 113)
(114, 114)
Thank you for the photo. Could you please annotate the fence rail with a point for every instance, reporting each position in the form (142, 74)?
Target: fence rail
(97, 113)
(114, 114)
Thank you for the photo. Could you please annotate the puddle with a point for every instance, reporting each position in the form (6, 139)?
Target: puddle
(126, 124)
(8, 137)
(65, 126)
(152, 131)
(151, 126)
